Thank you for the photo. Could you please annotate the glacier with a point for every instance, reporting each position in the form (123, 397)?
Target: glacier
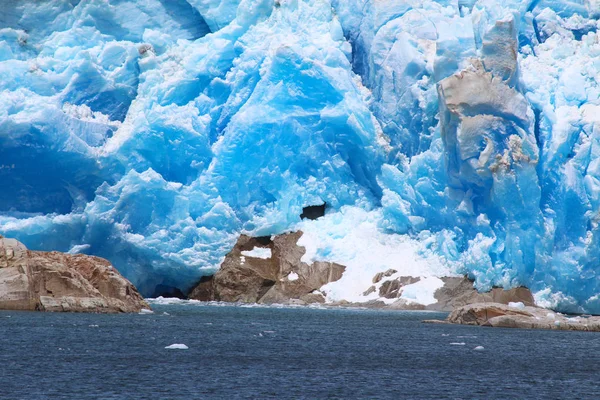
(463, 135)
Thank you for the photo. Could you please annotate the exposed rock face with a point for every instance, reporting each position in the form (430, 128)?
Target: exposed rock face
(393, 288)
(16, 286)
(459, 291)
(246, 276)
(456, 292)
(504, 316)
(53, 281)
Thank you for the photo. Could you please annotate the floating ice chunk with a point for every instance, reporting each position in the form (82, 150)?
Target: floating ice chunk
(144, 311)
(518, 305)
(258, 252)
(457, 343)
(292, 276)
(177, 346)
(479, 348)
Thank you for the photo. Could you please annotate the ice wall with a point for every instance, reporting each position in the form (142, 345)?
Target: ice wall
(154, 132)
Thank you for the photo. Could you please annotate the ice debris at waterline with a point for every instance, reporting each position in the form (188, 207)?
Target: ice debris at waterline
(177, 346)
(152, 133)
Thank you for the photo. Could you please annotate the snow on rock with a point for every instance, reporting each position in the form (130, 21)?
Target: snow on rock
(258, 252)
(292, 277)
(423, 291)
(155, 132)
(353, 238)
(519, 305)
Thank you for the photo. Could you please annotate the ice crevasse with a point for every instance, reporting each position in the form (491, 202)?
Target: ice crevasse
(450, 136)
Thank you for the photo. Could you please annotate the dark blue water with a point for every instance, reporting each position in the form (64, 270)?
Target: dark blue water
(270, 353)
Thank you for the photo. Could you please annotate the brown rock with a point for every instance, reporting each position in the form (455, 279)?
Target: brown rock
(459, 291)
(503, 316)
(15, 277)
(53, 281)
(380, 275)
(204, 290)
(392, 289)
(256, 280)
(370, 290)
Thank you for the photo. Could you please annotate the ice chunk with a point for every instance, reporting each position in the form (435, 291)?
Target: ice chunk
(479, 348)
(518, 305)
(177, 346)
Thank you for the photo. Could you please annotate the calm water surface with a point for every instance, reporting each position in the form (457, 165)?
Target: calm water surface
(276, 353)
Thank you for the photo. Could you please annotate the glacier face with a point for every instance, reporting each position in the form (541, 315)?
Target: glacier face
(153, 132)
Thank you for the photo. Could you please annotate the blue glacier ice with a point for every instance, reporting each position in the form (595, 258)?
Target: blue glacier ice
(154, 132)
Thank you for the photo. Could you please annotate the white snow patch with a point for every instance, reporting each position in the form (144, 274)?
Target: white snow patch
(422, 292)
(351, 237)
(292, 276)
(258, 252)
(518, 305)
(177, 346)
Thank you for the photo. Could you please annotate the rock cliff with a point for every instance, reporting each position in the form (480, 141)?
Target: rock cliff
(53, 281)
(265, 270)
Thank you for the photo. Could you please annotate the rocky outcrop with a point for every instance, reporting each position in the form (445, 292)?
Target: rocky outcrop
(265, 270)
(459, 291)
(270, 270)
(456, 292)
(517, 315)
(53, 281)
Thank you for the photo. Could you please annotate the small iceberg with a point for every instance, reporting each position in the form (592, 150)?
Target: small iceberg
(177, 346)
(457, 344)
(479, 348)
(144, 311)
